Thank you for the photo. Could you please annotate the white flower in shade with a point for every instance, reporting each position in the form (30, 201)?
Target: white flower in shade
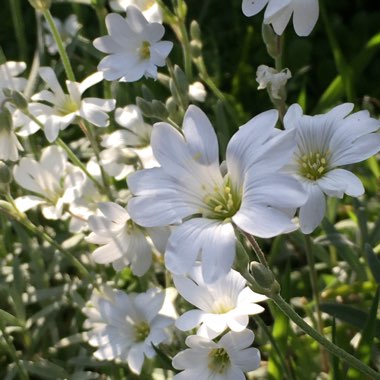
(324, 143)
(9, 144)
(52, 179)
(9, 72)
(197, 92)
(149, 8)
(227, 359)
(278, 13)
(134, 45)
(123, 243)
(189, 187)
(63, 109)
(226, 303)
(67, 30)
(274, 81)
(118, 160)
(124, 326)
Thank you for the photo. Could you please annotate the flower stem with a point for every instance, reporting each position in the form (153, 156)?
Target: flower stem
(19, 28)
(61, 49)
(260, 254)
(349, 359)
(316, 297)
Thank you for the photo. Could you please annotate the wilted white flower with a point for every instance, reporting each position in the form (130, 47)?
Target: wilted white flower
(124, 326)
(197, 92)
(278, 13)
(134, 45)
(226, 303)
(189, 187)
(149, 8)
(123, 242)
(324, 143)
(67, 31)
(274, 81)
(63, 109)
(227, 359)
(53, 179)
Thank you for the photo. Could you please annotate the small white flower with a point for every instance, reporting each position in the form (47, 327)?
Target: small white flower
(134, 45)
(53, 179)
(124, 326)
(226, 303)
(324, 143)
(190, 187)
(149, 8)
(62, 109)
(278, 13)
(274, 81)
(227, 359)
(123, 242)
(197, 92)
(67, 30)
(9, 72)
(9, 144)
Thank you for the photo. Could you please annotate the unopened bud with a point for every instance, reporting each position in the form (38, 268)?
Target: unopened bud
(196, 48)
(5, 174)
(40, 5)
(6, 121)
(263, 280)
(181, 80)
(182, 9)
(270, 40)
(19, 100)
(171, 106)
(195, 31)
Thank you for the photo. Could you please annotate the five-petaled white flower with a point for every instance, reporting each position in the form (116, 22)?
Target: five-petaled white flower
(150, 8)
(54, 181)
(62, 109)
(123, 242)
(226, 303)
(226, 359)
(324, 143)
(124, 326)
(134, 45)
(190, 187)
(278, 13)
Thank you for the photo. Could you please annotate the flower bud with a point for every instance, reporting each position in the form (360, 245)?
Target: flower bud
(263, 280)
(40, 5)
(5, 174)
(6, 121)
(196, 48)
(195, 31)
(19, 100)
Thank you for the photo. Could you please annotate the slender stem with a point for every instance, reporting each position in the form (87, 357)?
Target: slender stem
(351, 360)
(12, 351)
(19, 28)
(316, 297)
(260, 254)
(61, 49)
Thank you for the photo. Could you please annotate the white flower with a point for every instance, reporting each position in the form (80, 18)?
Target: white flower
(67, 31)
(149, 8)
(9, 72)
(117, 160)
(324, 143)
(226, 303)
(124, 326)
(275, 81)
(226, 359)
(9, 144)
(197, 92)
(53, 179)
(278, 13)
(123, 242)
(62, 109)
(134, 45)
(189, 187)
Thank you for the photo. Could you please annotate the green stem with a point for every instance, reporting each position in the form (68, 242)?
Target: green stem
(61, 49)
(349, 359)
(12, 351)
(316, 297)
(19, 28)
(260, 254)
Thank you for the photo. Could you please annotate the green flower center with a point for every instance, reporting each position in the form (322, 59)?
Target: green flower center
(145, 50)
(67, 107)
(218, 360)
(314, 165)
(142, 331)
(223, 203)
